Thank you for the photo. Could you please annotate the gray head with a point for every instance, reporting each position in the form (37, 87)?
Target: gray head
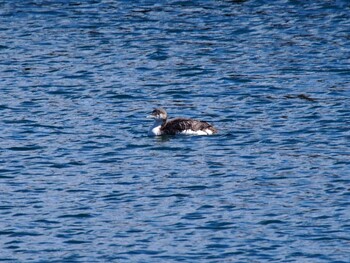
(159, 114)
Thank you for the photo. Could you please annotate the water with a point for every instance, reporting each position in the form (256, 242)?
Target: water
(81, 181)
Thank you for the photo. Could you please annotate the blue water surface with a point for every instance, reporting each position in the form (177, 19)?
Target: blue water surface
(81, 181)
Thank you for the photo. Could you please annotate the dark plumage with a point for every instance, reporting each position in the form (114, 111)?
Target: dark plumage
(173, 127)
(178, 126)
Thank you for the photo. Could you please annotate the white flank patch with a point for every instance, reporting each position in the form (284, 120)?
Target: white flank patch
(209, 132)
(191, 132)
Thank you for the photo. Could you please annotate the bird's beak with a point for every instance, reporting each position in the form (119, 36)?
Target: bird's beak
(150, 117)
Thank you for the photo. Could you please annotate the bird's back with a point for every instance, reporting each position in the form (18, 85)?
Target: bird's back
(187, 126)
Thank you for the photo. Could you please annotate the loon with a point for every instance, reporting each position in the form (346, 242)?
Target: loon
(177, 126)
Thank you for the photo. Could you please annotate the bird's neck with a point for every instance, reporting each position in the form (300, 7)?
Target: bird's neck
(156, 127)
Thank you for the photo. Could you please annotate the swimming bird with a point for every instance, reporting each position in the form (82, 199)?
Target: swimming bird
(162, 126)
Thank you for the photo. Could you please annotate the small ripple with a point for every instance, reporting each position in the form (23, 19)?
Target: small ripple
(195, 187)
(25, 148)
(74, 242)
(46, 222)
(78, 216)
(6, 233)
(269, 222)
(216, 225)
(144, 252)
(24, 233)
(193, 216)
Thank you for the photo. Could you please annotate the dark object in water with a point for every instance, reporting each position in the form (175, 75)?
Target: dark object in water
(178, 126)
(300, 96)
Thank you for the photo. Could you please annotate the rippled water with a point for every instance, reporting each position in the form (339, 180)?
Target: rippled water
(82, 182)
